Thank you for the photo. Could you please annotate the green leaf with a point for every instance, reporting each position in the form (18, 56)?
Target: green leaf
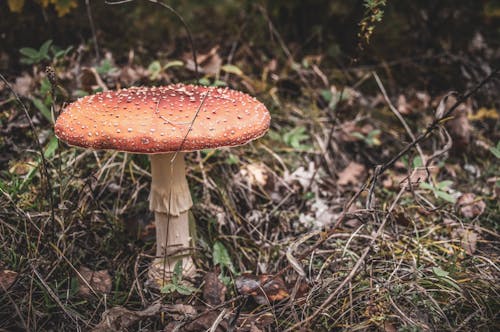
(51, 147)
(204, 81)
(80, 93)
(358, 135)
(444, 195)
(233, 159)
(184, 289)
(174, 63)
(219, 83)
(221, 256)
(43, 109)
(439, 272)
(374, 133)
(417, 162)
(327, 95)
(426, 185)
(295, 137)
(444, 184)
(29, 52)
(232, 69)
(168, 288)
(105, 67)
(496, 150)
(154, 69)
(44, 49)
(177, 275)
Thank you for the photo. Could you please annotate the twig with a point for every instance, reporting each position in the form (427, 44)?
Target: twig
(461, 99)
(72, 315)
(398, 115)
(92, 28)
(354, 270)
(386, 166)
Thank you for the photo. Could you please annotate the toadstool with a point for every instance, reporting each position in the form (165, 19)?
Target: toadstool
(165, 122)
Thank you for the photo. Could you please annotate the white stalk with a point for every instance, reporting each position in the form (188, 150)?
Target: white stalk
(170, 200)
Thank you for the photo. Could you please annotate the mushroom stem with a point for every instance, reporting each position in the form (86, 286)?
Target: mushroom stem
(170, 199)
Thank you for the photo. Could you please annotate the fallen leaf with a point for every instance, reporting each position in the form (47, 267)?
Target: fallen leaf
(93, 281)
(302, 176)
(469, 206)
(468, 239)
(7, 278)
(209, 63)
(388, 327)
(403, 106)
(352, 174)
(255, 174)
(262, 288)
(90, 80)
(459, 126)
(120, 318)
(22, 86)
(205, 323)
(214, 291)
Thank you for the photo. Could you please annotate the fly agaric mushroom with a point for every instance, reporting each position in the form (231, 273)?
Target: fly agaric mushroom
(165, 122)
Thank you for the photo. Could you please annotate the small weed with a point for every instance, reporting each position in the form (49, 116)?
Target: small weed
(496, 150)
(440, 190)
(46, 52)
(175, 285)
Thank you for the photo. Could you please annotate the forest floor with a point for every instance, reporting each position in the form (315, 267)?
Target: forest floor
(369, 205)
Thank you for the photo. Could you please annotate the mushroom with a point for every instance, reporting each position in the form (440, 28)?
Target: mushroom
(165, 122)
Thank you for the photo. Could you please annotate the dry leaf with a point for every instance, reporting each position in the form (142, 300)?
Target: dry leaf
(346, 130)
(262, 288)
(203, 323)
(214, 291)
(208, 63)
(99, 281)
(403, 107)
(459, 126)
(352, 174)
(388, 327)
(23, 85)
(7, 278)
(468, 239)
(255, 174)
(120, 318)
(469, 206)
(302, 176)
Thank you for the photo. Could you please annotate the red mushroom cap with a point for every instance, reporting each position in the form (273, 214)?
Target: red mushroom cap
(162, 119)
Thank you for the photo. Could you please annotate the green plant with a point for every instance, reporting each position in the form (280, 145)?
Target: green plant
(440, 190)
(106, 67)
(46, 52)
(371, 139)
(373, 14)
(295, 137)
(221, 257)
(175, 284)
(496, 150)
(155, 68)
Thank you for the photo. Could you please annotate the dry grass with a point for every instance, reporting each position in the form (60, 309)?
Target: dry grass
(402, 259)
